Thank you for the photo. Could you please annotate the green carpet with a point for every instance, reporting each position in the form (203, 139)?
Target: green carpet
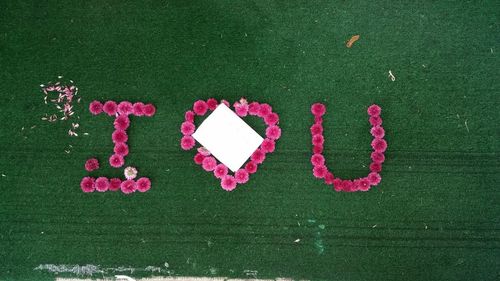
(435, 216)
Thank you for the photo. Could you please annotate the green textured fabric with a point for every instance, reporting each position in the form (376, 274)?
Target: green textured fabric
(435, 216)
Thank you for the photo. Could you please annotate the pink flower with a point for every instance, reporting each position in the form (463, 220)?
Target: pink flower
(87, 184)
(316, 129)
(198, 158)
(91, 165)
(317, 160)
(320, 171)
(271, 119)
(149, 110)
(318, 140)
(375, 121)
(220, 171)
(121, 148)
(379, 145)
(119, 136)
(273, 132)
(95, 107)
(212, 103)
(125, 107)
(318, 109)
(251, 167)
(254, 108)
(375, 167)
(348, 186)
(318, 149)
(116, 161)
(121, 122)
(329, 178)
(143, 184)
(267, 146)
(187, 142)
(374, 178)
(364, 184)
(130, 173)
(377, 157)
(374, 110)
(241, 109)
(377, 132)
(225, 102)
(318, 119)
(101, 184)
(209, 163)
(187, 128)
(228, 183)
(110, 107)
(265, 109)
(138, 109)
(258, 156)
(204, 151)
(128, 186)
(241, 176)
(189, 116)
(338, 185)
(200, 107)
(114, 184)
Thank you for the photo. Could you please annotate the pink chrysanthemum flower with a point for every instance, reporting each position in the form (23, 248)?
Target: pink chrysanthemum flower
(125, 108)
(187, 128)
(329, 178)
(374, 178)
(271, 119)
(87, 184)
(198, 158)
(241, 109)
(114, 184)
(317, 160)
(273, 132)
(209, 163)
(212, 103)
(116, 161)
(200, 107)
(254, 108)
(121, 122)
(128, 186)
(203, 151)
(318, 140)
(95, 107)
(187, 142)
(130, 173)
(241, 176)
(338, 185)
(119, 136)
(375, 121)
(348, 186)
(265, 109)
(138, 109)
(220, 171)
(377, 157)
(91, 165)
(258, 156)
(318, 109)
(320, 171)
(379, 145)
(149, 110)
(364, 184)
(121, 148)
(375, 167)
(251, 167)
(317, 149)
(268, 146)
(101, 184)
(318, 119)
(377, 132)
(110, 107)
(143, 184)
(228, 183)
(374, 110)
(189, 116)
(316, 129)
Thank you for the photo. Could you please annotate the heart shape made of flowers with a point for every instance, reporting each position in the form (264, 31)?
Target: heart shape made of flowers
(242, 108)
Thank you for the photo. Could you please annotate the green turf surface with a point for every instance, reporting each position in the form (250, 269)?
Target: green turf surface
(435, 215)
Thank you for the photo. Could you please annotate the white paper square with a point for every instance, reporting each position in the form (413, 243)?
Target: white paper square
(228, 137)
